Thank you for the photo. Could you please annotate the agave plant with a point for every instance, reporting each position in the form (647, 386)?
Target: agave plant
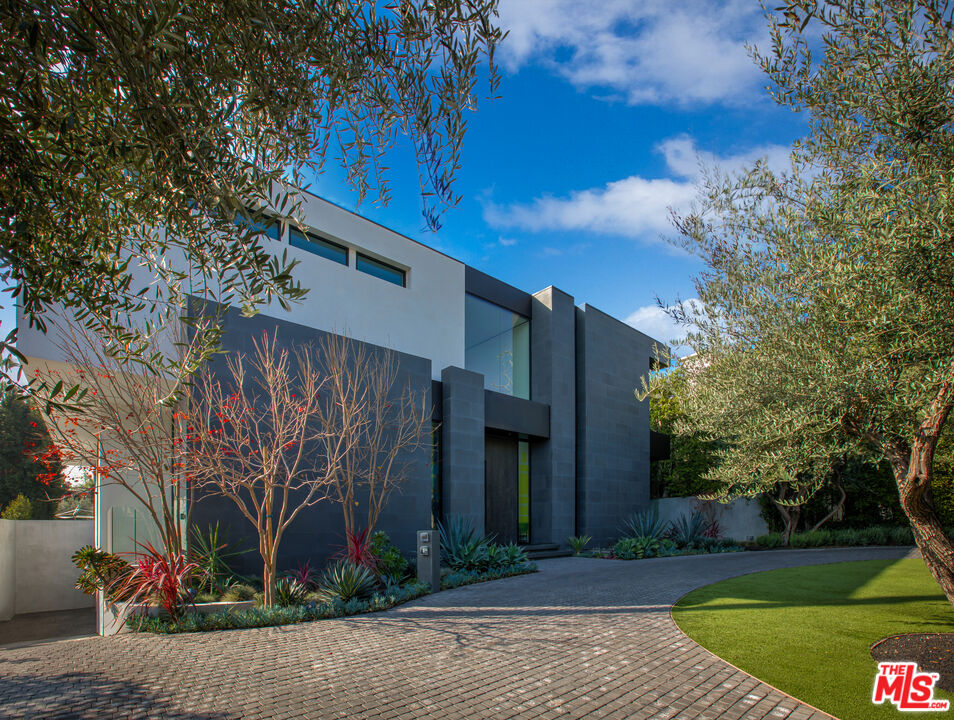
(514, 554)
(645, 524)
(154, 575)
(289, 592)
(578, 543)
(462, 547)
(689, 530)
(345, 581)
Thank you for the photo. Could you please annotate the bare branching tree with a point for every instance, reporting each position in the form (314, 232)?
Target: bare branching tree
(376, 422)
(254, 438)
(126, 426)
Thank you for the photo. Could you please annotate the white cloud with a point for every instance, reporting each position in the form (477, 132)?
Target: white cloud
(634, 206)
(656, 322)
(646, 51)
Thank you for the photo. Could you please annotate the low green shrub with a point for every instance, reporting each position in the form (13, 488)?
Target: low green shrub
(239, 593)
(902, 536)
(769, 541)
(265, 617)
(389, 561)
(850, 537)
(634, 548)
(101, 570)
(457, 578)
(20, 508)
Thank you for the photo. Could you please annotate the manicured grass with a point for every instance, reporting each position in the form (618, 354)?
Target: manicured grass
(808, 630)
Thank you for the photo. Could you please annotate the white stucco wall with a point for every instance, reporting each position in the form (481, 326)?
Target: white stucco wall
(36, 572)
(426, 318)
(8, 569)
(738, 520)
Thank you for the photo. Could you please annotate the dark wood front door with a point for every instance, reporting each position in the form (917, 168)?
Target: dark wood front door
(501, 474)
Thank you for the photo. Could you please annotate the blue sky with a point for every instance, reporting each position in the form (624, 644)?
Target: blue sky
(606, 110)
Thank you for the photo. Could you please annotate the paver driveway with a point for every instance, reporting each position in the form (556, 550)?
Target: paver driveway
(581, 639)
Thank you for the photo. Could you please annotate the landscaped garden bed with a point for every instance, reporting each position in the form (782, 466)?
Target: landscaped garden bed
(848, 537)
(809, 631)
(646, 536)
(201, 592)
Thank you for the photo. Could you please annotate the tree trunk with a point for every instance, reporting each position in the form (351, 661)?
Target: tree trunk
(834, 511)
(914, 488)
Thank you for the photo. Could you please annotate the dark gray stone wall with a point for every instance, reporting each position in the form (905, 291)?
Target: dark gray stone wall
(553, 381)
(318, 531)
(612, 426)
(462, 440)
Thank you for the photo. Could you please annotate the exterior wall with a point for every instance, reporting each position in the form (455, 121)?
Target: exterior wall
(612, 426)
(462, 439)
(8, 569)
(553, 381)
(739, 520)
(318, 531)
(426, 318)
(36, 572)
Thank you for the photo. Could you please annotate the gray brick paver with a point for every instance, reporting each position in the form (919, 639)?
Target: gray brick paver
(581, 639)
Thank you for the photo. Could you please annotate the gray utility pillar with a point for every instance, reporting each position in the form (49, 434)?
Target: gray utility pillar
(553, 381)
(462, 439)
(429, 559)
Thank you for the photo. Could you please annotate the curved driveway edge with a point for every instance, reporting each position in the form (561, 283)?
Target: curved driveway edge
(582, 638)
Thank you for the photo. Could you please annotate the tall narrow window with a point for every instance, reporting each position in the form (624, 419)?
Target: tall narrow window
(523, 492)
(318, 245)
(381, 270)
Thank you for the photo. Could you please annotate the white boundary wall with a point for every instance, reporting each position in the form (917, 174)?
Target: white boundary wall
(36, 572)
(739, 519)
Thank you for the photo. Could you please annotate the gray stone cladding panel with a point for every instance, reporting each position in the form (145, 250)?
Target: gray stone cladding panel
(462, 438)
(318, 532)
(612, 424)
(553, 381)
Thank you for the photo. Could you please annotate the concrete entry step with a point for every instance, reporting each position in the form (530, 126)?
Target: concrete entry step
(541, 551)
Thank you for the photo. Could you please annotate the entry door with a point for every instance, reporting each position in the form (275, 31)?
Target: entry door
(501, 475)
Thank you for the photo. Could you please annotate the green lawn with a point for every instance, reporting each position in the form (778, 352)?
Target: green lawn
(808, 630)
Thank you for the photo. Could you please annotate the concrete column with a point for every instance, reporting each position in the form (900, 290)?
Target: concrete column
(553, 381)
(462, 438)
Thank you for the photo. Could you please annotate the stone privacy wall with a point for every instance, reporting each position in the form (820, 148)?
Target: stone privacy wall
(36, 572)
(738, 520)
(317, 533)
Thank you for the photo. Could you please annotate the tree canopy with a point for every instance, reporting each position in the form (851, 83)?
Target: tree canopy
(135, 133)
(828, 296)
(26, 468)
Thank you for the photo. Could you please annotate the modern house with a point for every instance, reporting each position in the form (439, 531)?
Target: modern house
(537, 432)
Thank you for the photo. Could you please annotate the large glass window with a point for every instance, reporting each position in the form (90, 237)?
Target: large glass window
(498, 346)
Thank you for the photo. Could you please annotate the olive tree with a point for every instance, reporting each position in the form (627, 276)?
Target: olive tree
(135, 134)
(828, 297)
